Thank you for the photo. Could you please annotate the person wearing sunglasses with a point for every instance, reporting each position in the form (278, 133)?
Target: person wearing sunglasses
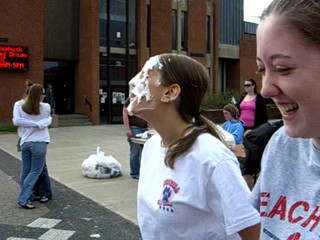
(32, 117)
(42, 189)
(252, 107)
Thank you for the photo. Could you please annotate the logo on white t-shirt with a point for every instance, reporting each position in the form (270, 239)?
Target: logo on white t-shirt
(170, 188)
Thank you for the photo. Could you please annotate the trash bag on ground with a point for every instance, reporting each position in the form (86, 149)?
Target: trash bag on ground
(100, 166)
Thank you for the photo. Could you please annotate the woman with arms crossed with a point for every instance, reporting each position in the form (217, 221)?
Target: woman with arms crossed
(190, 183)
(42, 189)
(33, 118)
(288, 57)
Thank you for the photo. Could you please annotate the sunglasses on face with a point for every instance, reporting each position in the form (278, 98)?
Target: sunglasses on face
(247, 85)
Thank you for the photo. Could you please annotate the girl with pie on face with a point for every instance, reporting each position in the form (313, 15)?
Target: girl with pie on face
(190, 184)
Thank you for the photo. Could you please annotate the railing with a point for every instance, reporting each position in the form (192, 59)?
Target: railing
(87, 102)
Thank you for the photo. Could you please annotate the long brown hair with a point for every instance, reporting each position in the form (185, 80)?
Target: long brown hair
(32, 104)
(192, 77)
(27, 84)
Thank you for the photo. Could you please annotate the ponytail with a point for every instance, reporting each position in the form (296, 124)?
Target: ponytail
(201, 125)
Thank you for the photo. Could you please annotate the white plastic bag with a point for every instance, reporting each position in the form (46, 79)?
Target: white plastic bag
(142, 135)
(100, 166)
(227, 137)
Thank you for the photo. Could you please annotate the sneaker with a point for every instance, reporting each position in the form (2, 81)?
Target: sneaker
(135, 176)
(44, 199)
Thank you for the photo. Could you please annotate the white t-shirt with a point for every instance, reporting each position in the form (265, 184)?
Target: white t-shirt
(32, 128)
(203, 197)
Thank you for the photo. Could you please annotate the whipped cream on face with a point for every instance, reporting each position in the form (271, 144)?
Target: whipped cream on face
(139, 85)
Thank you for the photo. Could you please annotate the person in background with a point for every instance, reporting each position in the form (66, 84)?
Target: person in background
(133, 126)
(252, 107)
(190, 183)
(42, 190)
(233, 124)
(287, 193)
(33, 118)
(50, 98)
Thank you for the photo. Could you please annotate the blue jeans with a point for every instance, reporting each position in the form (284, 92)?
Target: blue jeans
(43, 185)
(33, 161)
(135, 152)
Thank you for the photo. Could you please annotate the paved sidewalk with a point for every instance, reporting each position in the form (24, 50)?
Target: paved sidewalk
(105, 202)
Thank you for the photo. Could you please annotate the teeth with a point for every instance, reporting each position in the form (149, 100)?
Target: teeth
(288, 108)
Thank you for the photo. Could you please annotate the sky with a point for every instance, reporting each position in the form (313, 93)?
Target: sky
(253, 9)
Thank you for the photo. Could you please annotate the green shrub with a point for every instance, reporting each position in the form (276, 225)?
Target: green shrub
(8, 129)
(219, 100)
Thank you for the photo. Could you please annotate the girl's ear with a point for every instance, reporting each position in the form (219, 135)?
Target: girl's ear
(172, 92)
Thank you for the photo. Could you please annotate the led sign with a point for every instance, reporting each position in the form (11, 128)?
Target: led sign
(13, 58)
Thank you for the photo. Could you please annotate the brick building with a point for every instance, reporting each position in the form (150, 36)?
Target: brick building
(89, 49)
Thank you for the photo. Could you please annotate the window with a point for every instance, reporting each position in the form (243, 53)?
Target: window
(184, 31)
(132, 24)
(174, 29)
(148, 26)
(103, 23)
(118, 23)
(208, 34)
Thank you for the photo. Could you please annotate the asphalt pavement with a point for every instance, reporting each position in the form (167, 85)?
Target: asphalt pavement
(81, 208)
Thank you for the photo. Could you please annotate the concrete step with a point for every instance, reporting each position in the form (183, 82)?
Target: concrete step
(74, 120)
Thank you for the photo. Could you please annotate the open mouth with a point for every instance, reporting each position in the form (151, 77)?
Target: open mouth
(288, 109)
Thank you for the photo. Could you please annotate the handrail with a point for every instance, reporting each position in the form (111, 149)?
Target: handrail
(87, 102)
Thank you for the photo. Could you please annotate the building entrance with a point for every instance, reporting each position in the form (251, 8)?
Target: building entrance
(118, 56)
(61, 76)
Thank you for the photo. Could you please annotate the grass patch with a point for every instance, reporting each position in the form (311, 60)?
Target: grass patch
(8, 129)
